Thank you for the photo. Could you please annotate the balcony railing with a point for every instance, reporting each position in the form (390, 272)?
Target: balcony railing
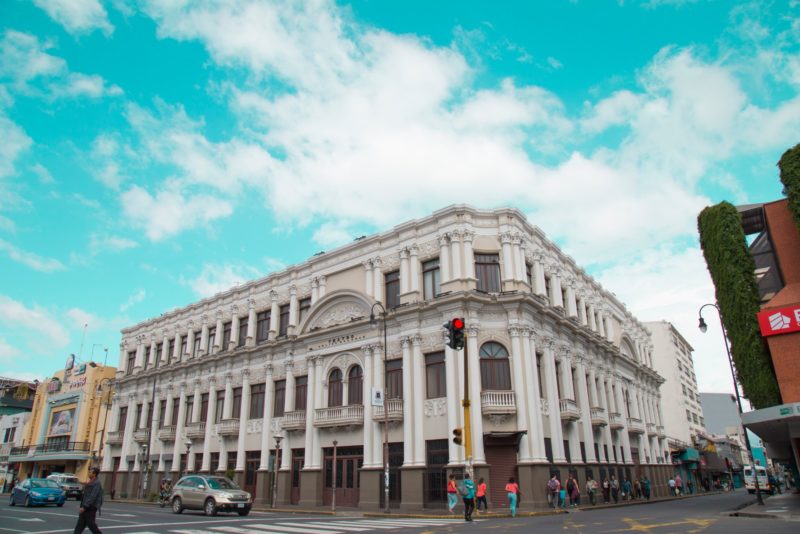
(167, 433)
(660, 431)
(339, 416)
(635, 425)
(498, 402)
(569, 410)
(196, 430)
(228, 427)
(599, 416)
(615, 421)
(142, 435)
(295, 420)
(80, 448)
(20, 451)
(115, 437)
(651, 429)
(394, 410)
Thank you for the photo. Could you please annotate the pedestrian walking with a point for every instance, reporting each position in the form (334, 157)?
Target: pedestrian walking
(637, 489)
(591, 490)
(615, 489)
(512, 489)
(553, 490)
(678, 485)
(606, 490)
(452, 493)
(690, 486)
(468, 496)
(646, 487)
(575, 495)
(91, 502)
(671, 486)
(626, 489)
(481, 494)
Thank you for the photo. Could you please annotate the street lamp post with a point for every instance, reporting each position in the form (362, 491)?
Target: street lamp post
(275, 470)
(188, 444)
(108, 397)
(703, 327)
(373, 321)
(333, 483)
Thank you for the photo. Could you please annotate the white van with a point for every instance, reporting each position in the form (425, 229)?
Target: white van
(749, 480)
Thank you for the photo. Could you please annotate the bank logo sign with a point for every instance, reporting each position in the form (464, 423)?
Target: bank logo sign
(781, 321)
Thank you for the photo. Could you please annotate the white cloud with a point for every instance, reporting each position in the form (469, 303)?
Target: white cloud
(215, 278)
(41, 324)
(14, 142)
(8, 352)
(78, 16)
(134, 299)
(34, 261)
(82, 319)
(23, 375)
(331, 234)
(109, 243)
(44, 175)
(78, 85)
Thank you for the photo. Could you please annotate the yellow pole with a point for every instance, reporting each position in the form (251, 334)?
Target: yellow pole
(466, 403)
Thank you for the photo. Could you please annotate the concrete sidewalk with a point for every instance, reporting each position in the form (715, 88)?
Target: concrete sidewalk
(785, 506)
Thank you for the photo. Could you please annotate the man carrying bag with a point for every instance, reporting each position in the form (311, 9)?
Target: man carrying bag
(91, 503)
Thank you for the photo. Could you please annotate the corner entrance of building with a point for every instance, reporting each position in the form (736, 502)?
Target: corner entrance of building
(348, 464)
(501, 455)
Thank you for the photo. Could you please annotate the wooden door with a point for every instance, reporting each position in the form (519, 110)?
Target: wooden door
(348, 481)
(252, 462)
(298, 461)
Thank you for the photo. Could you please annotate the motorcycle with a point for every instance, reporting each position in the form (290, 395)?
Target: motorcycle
(163, 498)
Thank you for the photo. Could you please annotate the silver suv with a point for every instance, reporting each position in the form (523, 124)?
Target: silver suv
(211, 494)
(69, 483)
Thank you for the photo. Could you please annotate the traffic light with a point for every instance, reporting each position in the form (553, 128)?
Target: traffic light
(457, 436)
(455, 333)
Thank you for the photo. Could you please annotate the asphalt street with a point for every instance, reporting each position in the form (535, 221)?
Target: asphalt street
(687, 516)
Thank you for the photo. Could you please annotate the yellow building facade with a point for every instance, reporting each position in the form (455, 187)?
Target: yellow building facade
(67, 428)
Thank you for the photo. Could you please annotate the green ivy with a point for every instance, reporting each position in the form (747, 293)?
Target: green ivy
(732, 270)
(789, 166)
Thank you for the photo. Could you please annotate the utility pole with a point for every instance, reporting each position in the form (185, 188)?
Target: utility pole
(466, 404)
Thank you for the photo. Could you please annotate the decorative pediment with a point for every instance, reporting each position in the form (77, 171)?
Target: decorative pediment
(339, 307)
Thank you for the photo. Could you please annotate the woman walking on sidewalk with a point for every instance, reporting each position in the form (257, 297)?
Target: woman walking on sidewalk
(452, 493)
(481, 497)
(512, 488)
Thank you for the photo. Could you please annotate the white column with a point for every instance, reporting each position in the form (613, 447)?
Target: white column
(455, 256)
(194, 418)
(571, 305)
(108, 461)
(168, 408)
(405, 272)
(266, 427)
(625, 440)
(532, 395)
(519, 258)
(176, 349)
(311, 393)
(366, 350)
(139, 362)
(453, 401)
(219, 334)
(518, 385)
(508, 261)
(444, 259)
(408, 419)
(592, 321)
(378, 379)
(469, 256)
(317, 448)
(274, 315)
(378, 280)
(539, 286)
(369, 278)
(586, 412)
(555, 282)
(251, 323)
(322, 288)
(609, 327)
(582, 317)
(244, 416)
(178, 445)
(201, 350)
(211, 416)
(418, 400)
(227, 404)
(476, 413)
(234, 330)
(415, 266)
(189, 341)
(314, 290)
(294, 311)
(127, 437)
(152, 357)
(123, 359)
(164, 348)
(288, 405)
(601, 328)
(551, 390)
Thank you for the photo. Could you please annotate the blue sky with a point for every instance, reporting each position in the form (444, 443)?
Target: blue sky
(157, 152)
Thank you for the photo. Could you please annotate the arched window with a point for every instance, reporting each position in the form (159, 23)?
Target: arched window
(355, 385)
(335, 388)
(495, 373)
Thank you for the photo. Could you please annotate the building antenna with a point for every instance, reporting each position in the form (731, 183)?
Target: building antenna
(83, 338)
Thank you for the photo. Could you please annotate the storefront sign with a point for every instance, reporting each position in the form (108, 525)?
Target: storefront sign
(77, 383)
(54, 386)
(779, 321)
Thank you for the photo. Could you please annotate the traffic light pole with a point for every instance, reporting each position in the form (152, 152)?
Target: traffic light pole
(466, 404)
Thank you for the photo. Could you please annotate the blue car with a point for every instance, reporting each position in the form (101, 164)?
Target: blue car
(38, 491)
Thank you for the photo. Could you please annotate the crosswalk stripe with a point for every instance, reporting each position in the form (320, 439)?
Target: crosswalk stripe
(235, 530)
(360, 524)
(296, 530)
(192, 531)
(398, 523)
(329, 527)
(341, 526)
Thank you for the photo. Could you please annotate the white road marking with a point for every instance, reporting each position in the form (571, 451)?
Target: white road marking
(341, 526)
(278, 528)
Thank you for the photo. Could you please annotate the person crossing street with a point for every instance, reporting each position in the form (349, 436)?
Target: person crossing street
(91, 502)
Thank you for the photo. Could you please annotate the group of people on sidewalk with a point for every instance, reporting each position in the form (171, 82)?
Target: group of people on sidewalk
(470, 495)
(610, 489)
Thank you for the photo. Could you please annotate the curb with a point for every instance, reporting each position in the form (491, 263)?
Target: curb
(490, 515)
(753, 515)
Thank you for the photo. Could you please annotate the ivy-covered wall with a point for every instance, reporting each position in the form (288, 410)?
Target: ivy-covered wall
(733, 272)
(789, 166)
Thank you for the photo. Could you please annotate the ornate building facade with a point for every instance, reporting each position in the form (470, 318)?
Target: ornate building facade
(560, 373)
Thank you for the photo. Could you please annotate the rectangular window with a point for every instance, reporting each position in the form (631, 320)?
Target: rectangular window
(159, 353)
(262, 326)
(219, 403)
(280, 398)
(171, 350)
(529, 274)
(184, 346)
(226, 336)
(175, 407)
(487, 270)
(203, 406)
(212, 338)
(236, 412)
(688, 416)
(257, 400)
(394, 379)
(138, 421)
(305, 305)
(242, 331)
(284, 327)
(123, 418)
(694, 418)
(187, 415)
(392, 286)
(300, 392)
(196, 346)
(160, 412)
(131, 362)
(431, 277)
(436, 382)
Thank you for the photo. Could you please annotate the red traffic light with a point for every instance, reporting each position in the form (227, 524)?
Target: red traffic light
(458, 323)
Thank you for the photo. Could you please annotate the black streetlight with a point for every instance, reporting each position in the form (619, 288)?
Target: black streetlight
(275, 470)
(703, 327)
(188, 444)
(373, 321)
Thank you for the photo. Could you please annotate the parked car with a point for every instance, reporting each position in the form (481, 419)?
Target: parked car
(69, 483)
(37, 491)
(211, 494)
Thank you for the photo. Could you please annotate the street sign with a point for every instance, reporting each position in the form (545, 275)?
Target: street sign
(779, 321)
(377, 396)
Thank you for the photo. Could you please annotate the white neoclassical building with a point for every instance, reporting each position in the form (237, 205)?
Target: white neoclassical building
(560, 373)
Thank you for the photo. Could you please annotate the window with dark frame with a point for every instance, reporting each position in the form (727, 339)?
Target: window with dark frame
(203, 407)
(171, 350)
(284, 326)
(279, 401)
(487, 271)
(435, 378)
(226, 336)
(257, 392)
(242, 332)
(123, 419)
(304, 307)
(162, 403)
(184, 346)
(394, 379)
(198, 336)
(495, 371)
(138, 420)
(237, 403)
(335, 388)
(219, 403)
(131, 362)
(187, 415)
(176, 402)
(392, 289)
(146, 358)
(355, 386)
(212, 338)
(159, 353)
(262, 326)
(431, 277)
(529, 274)
(300, 392)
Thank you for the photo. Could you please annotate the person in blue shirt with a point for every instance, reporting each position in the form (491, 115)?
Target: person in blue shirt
(468, 495)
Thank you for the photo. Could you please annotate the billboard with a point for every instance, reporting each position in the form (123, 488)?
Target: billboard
(61, 422)
(779, 321)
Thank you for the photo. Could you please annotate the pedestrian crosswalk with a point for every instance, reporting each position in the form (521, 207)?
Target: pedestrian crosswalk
(331, 526)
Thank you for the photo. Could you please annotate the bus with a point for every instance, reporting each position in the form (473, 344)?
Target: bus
(749, 480)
